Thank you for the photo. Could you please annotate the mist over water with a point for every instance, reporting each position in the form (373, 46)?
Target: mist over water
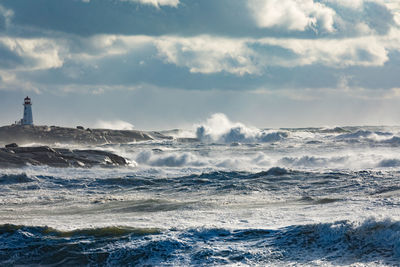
(235, 195)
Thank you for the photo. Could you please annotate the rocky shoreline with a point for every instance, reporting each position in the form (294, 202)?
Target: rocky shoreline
(50, 135)
(14, 156)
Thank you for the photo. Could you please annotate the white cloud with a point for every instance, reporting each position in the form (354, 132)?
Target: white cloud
(158, 3)
(206, 54)
(362, 51)
(349, 17)
(10, 81)
(108, 45)
(394, 6)
(115, 125)
(392, 39)
(36, 54)
(295, 15)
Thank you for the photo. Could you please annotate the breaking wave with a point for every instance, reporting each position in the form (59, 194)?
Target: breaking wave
(312, 161)
(341, 242)
(169, 160)
(219, 129)
(368, 136)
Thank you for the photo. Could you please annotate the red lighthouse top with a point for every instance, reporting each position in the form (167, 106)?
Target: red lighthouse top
(27, 101)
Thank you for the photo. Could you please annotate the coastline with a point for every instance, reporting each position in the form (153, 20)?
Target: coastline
(50, 135)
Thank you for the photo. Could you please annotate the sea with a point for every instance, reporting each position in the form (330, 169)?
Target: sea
(218, 194)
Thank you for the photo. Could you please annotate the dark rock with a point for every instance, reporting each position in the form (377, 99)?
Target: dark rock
(80, 128)
(187, 140)
(11, 145)
(59, 157)
(158, 135)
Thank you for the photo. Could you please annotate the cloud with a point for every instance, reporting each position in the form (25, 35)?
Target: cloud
(32, 54)
(201, 54)
(362, 51)
(311, 46)
(294, 15)
(5, 17)
(158, 3)
(206, 54)
(106, 61)
(325, 17)
(115, 125)
(106, 45)
(394, 6)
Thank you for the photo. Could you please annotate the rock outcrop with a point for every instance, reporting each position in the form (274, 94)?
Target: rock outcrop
(25, 134)
(12, 157)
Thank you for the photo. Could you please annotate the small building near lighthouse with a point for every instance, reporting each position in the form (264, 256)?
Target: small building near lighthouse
(27, 119)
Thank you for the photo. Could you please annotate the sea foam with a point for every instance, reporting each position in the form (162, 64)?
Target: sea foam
(218, 128)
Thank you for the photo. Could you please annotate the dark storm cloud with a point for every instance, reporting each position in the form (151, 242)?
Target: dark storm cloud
(130, 18)
(223, 17)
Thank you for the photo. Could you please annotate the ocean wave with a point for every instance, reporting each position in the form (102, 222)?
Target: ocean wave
(333, 130)
(15, 178)
(312, 161)
(169, 160)
(278, 181)
(367, 136)
(219, 129)
(274, 171)
(395, 140)
(151, 205)
(389, 163)
(363, 133)
(209, 181)
(159, 158)
(387, 190)
(214, 181)
(111, 231)
(319, 201)
(341, 242)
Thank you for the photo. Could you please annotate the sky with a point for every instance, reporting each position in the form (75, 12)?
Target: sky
(163, 64)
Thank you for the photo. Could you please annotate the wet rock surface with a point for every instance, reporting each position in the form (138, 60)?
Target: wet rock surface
(49, 135)
(12, 157)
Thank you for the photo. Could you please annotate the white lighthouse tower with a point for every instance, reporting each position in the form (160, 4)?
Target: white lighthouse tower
(27, 119)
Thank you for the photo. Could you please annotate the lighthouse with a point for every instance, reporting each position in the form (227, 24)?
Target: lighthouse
(27, 119)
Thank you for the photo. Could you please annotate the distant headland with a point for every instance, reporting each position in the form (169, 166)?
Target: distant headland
(25, 132)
